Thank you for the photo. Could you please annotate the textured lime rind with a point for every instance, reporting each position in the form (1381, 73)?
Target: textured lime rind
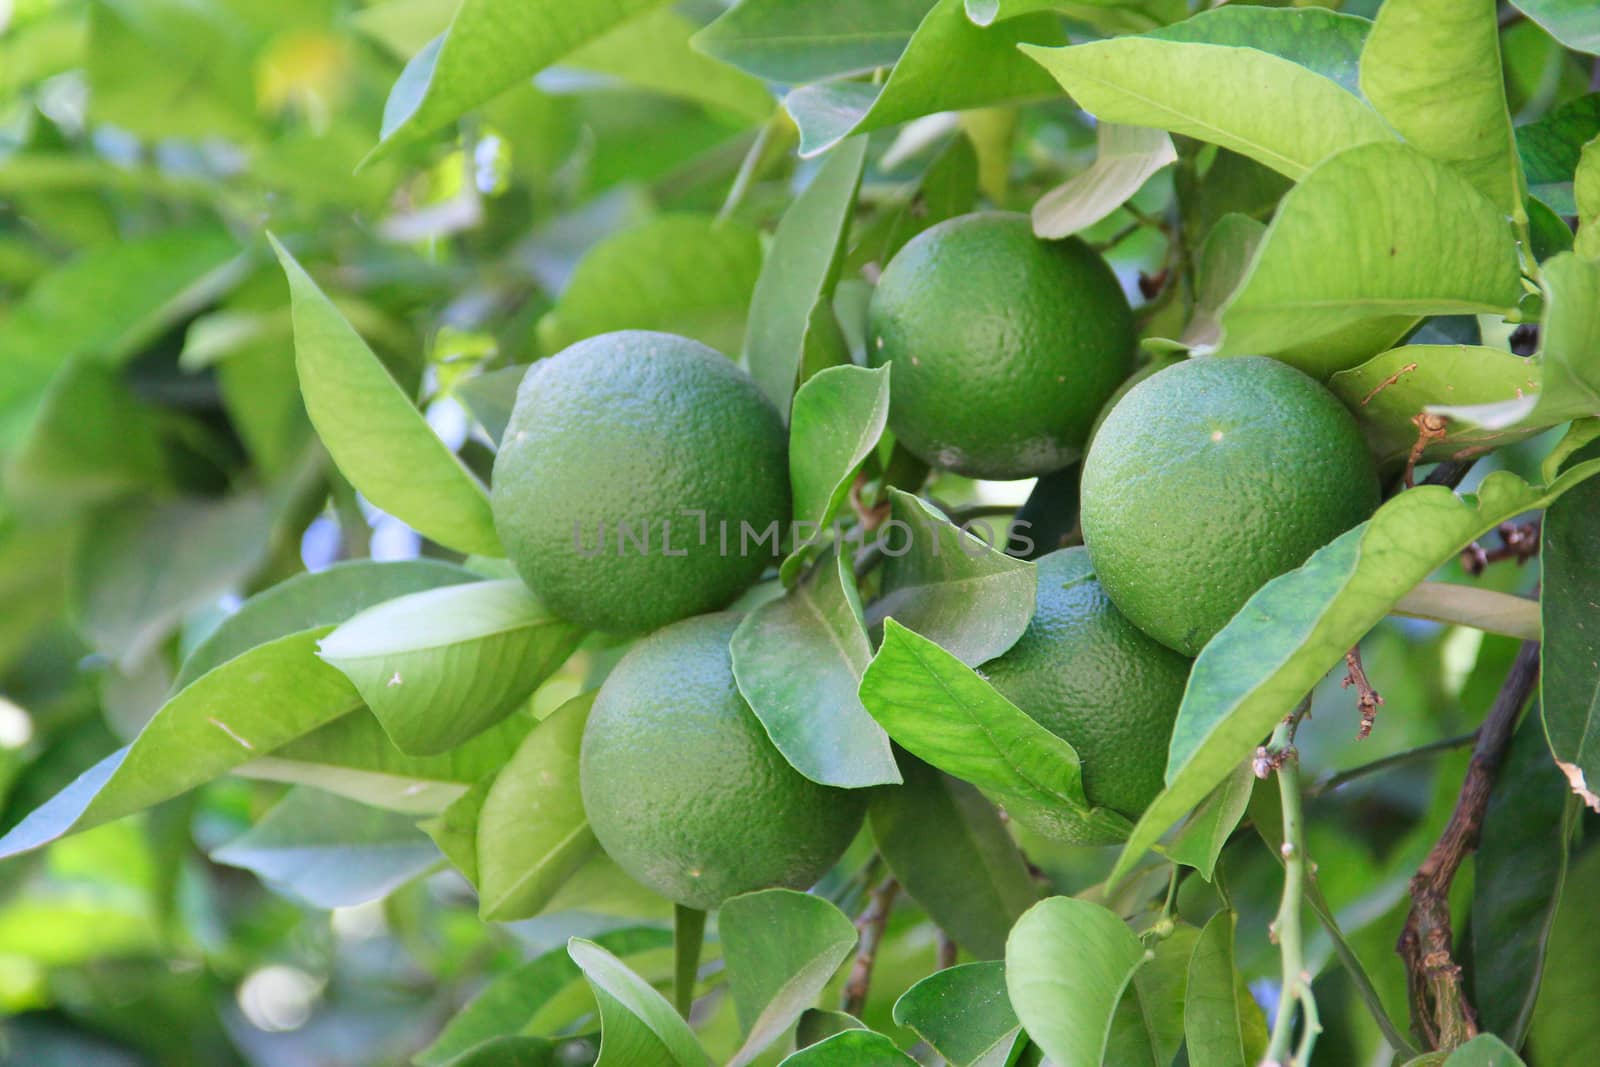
(1211, 478)
(1087, 674)
(683, 788)
(632, 465)
(1005, 346)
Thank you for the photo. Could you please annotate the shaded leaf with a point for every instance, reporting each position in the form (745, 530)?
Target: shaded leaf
(374, 432)
(490, 46)
(945, 714)
(780, 948)
(455, 829)
(1323, 41)
(130, 589)
(1258, 104)
(1126, 158)
(1224, 261)
(962, 1011)
(790, 43)
(1068, 962)
(330, 852)
(1551, 146)
(442, 665)
(1575, 23)
(246, 708)
(947, 188)
(1298, 626)
(948, 585)
(1586, 197)
(1519, 870)
(1560, 1034)
(816, 1024)
(637, 1025)
(948, 65)
(491, 396)
(532, 831)
(1147, 1027)
(1223, 1025)
(1432, 69)
(1321, 306)
(1569, 678)
(1200, 841)
(1470, 605)
(949, 850)
(798, 661)
(799, 272)
(686, 274)
(851, 1048)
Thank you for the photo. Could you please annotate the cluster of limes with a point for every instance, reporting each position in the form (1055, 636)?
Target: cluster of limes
(634, 461)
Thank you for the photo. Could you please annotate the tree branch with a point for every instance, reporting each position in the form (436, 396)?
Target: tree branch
(1440, 1011)
(1295, 993)
(1367, 698)
(870, 926)
(1520, 543)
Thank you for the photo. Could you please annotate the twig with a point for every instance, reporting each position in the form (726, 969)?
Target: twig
(1520, 543)
(1430, 428)
(871, 516)
(870, 926)
(1440, 1011)
(948, 951)
(1449, 473)
(1367, 698)
(1286, 931)
(1343, 778)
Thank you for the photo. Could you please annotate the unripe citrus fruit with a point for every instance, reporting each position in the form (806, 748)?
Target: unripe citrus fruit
(638, 481)
(1087, 674)
(1004, 346)
(684, 789)
(1211, 478)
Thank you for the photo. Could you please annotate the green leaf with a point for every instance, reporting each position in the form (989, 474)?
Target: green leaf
(330, 852)
(948, 65)
(246, 708)
(781, 948)
(1392, 388)
(637, 1025)
(949, 850)
(948, 585)
(1586, 198)
(962, 1012)
(440, 666)
(1569, 341)
(511, 1000)
(303, 601)
(374, 432)
(1569, 678)
(130, 588)
(947, 188)
(1322, 41)
(1485, 1050)
(1321, 303)
(798, 661)
(1519, 871)
(653, 52)
(1224, 261)
(90, 441)
(799, 274)
(140, 286)
(795, 43)
(839, 415)
(1432, 69)
(1474, 606)
(490, 397)
(1125, 159)
(1575, 23)
(1559, 1034)
(532, 831)
(1551, 146)
(1068, 962)
(816, 1024)
(455, 828)
(685, 274)
(852, 1048)
(1260, 105)
(1298, 626)
(1223, 1025)
(945, 714)
(1200, 841)
(491, 45)
(1147, 1027)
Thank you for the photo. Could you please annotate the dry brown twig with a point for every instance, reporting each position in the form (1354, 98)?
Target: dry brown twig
(1430, 428)
(1367, 698)
(1440, 1011)
(1517, 542)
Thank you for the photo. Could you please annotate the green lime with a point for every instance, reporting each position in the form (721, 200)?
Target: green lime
(1211, 478)
(683, 787)
(1087, 674)
(642, 478)
(1004, 346)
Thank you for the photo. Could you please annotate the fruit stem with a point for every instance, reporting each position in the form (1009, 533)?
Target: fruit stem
(869, 927)
(688, 934)
(1296, 988)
